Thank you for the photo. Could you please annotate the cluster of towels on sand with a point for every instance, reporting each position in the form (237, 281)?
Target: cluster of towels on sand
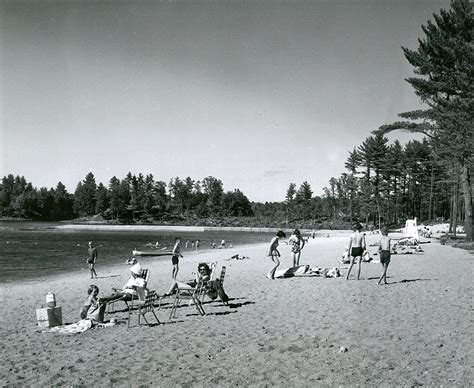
(306, 270)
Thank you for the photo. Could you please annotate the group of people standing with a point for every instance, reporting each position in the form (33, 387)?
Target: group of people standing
(357, 248)
(296, 243)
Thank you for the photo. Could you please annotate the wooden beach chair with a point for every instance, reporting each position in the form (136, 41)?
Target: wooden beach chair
(188, 294)
(142, 306)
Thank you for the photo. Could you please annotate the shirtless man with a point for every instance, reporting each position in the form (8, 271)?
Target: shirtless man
(91, 259)
(384, 249)
(356, 248)
(175, 257)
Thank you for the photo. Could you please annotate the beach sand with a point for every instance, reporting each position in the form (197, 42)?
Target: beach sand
(286, 332)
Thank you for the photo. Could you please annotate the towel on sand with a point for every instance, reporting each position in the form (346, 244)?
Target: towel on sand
(74, 328)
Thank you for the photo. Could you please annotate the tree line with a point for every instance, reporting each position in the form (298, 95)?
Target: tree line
(388, 183)
(135, 198)
(142, 199)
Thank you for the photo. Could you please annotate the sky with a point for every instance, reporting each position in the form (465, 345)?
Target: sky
(256, 93)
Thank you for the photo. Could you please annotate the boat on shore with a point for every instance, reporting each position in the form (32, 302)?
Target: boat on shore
(151, 253)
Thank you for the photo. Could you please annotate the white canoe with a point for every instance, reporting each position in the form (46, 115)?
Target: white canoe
(151, 253)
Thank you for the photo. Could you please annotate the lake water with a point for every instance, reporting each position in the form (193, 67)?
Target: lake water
(31, 250)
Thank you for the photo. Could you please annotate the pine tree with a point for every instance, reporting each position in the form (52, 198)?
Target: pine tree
(352, 163)
(290, 193)
(103, 202)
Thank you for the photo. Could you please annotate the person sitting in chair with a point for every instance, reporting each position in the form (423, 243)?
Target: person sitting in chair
(203, 273)
(213, 288)
(133, 289)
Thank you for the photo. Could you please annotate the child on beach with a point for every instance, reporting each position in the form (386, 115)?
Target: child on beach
(175, 257)
(296, 243)
(384, 249)
(274, 254)
(91, 300)
(357, 247)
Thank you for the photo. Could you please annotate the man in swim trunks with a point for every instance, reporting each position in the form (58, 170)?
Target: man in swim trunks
(357, 247)
(91, 259)
(384, 249)
(175, 257)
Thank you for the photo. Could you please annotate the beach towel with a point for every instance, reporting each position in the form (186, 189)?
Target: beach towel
(293, 271)
(74, 328)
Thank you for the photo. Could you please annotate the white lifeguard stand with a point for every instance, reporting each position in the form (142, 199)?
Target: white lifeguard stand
(411, 229)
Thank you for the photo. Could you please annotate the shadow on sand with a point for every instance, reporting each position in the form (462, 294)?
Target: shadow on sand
(106, 277)
(413, 280)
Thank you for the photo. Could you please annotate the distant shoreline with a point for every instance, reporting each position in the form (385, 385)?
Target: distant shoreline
(181, 228)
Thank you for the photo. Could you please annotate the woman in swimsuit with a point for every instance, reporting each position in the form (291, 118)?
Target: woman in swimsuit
(296, 243)
(274, 254)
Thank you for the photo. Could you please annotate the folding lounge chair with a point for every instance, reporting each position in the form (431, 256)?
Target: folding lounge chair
(110, 308)
(190, 294)
(144, 306)
(221, 278)
(220, 281)
(206, 284)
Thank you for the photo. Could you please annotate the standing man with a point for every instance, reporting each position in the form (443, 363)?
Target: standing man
(175, 257)
(92, 258)
(357, 248)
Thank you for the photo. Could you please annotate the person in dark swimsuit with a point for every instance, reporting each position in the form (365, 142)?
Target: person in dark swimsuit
(91, 259)
(175, 257)
(384, 249)
(357, 247)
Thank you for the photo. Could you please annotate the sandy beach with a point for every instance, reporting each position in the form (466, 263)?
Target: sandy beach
(287, 332)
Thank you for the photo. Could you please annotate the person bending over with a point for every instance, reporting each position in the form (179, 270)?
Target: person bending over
(274, 254)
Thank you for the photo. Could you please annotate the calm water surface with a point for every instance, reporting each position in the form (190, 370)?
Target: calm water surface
(31, 250)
